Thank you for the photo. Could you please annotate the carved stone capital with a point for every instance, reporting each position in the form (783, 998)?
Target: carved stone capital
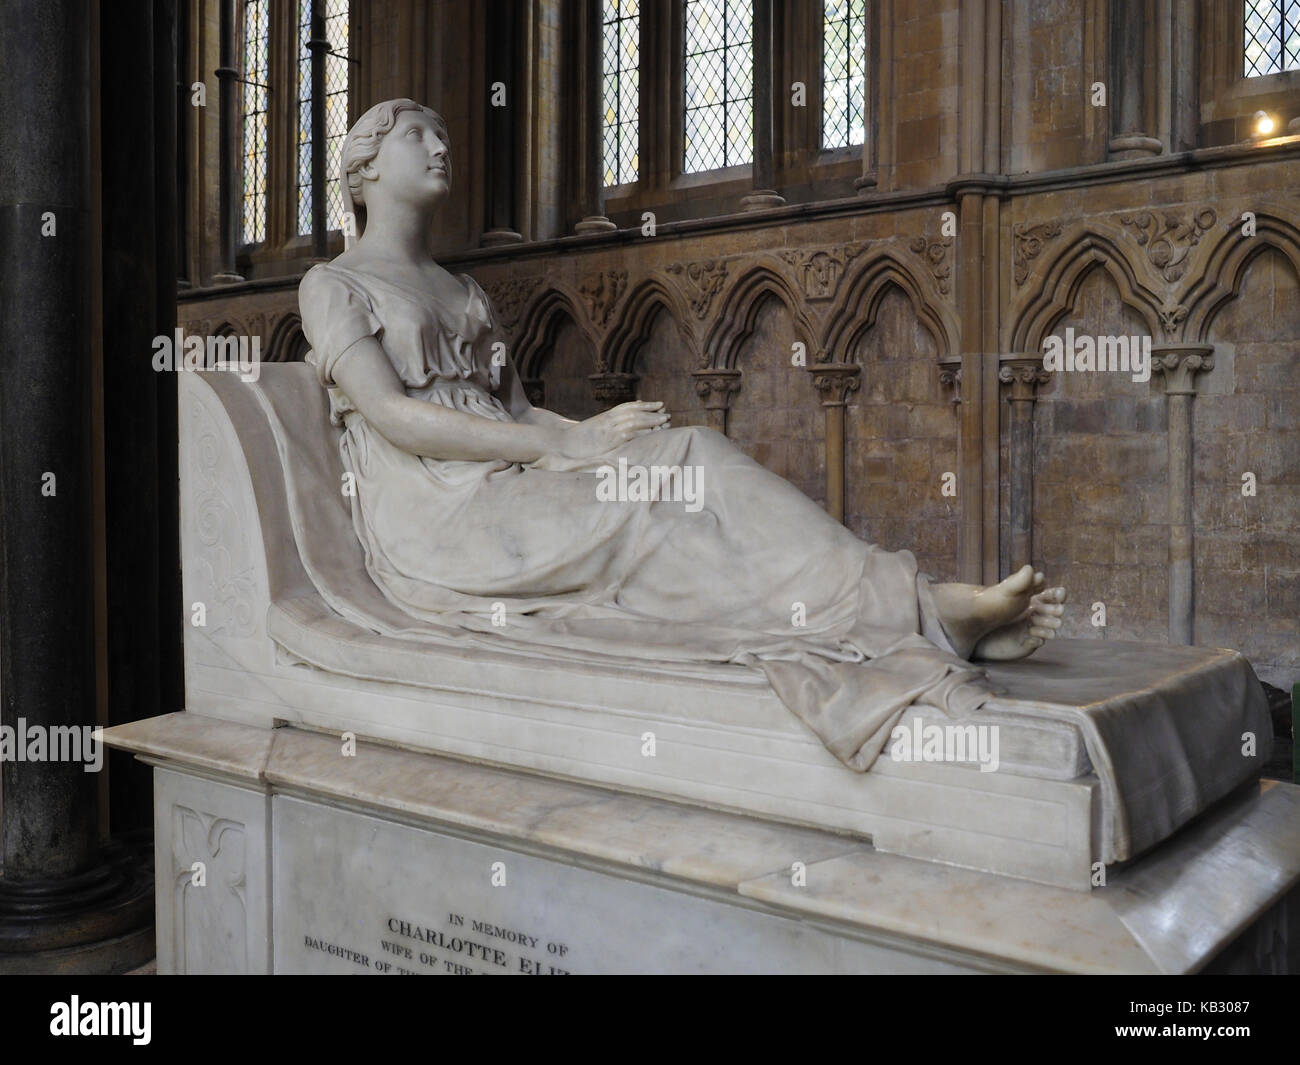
(1180, 364)
(1024, 375)
(836, 381)
(614, 388)
(716, 387)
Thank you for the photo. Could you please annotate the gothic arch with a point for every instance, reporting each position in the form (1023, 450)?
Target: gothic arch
(739, 314)
(540, 324)
(1086, 249)
(635, 321)
(1226, 266)
(287, 342)
(858, 302)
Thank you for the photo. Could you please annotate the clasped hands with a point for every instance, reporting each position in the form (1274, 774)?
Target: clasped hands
(611, 429)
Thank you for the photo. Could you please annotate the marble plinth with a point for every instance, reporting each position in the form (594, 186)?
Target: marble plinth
(395, 861)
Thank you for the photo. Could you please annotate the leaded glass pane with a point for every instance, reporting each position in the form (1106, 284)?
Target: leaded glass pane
(620, 63)
(336, 110)
(844, 49)
(1271, 38)
(253, 156)
(718, 129)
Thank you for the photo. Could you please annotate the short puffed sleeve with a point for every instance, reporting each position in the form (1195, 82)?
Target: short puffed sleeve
(336, 313)
(475, 288)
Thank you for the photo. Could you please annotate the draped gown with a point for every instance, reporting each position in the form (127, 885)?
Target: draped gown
(753, 573)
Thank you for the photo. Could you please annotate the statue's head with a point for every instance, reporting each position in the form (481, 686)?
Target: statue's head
(398, 148)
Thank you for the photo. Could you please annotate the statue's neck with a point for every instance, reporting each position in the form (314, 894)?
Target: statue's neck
(398, 232)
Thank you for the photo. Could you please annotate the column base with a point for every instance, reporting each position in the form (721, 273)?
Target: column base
(495, 237)
(106, 957)
(1134, 146)
(595, 223)
(761, 200)
(100, 920)
(866, 183)
(227, 279)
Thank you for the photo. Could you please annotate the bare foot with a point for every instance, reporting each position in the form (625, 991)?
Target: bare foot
(969, 612)
(1026, 634)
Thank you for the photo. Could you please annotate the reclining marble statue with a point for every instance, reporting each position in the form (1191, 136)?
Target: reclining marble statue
(467, 496)
(473, 555)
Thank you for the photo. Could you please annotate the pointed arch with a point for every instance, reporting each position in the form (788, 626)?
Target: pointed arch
(1088, 248)
(858, 300)
(636, 320)
(287, 342)
(1226, 266)
(739, 314)
(540, 324)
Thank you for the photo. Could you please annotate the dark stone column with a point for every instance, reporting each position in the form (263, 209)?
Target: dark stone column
(171, 93)
(59, 891)
(228, 146)
(139, 226)
(1184, 135)
(1130, 134)
(592, 94)
(501, 66)
(764, 194)
(318, 44)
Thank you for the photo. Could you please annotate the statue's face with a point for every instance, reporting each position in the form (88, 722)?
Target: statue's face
(414, 162)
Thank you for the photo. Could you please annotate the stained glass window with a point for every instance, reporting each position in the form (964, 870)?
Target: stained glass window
(256, 75)
(719, 68)
(844, 54)
(1272, 37)
(336, 110)
(621, 82)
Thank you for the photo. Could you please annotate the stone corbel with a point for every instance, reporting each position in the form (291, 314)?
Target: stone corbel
(715, 388)
(836, 381)
(950, 378)
(1180, 364)
(1024, 373)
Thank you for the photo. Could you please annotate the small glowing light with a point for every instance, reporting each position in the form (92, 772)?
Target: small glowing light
(1263, 124)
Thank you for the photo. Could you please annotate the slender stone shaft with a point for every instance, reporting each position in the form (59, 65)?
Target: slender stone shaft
(1024, 375)
(1180, 364)
(764, 194)
(502, 84)
(318, 45)
(228, 145)
(591, 139)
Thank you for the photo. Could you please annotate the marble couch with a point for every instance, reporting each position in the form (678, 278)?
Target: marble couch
(259, 460)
